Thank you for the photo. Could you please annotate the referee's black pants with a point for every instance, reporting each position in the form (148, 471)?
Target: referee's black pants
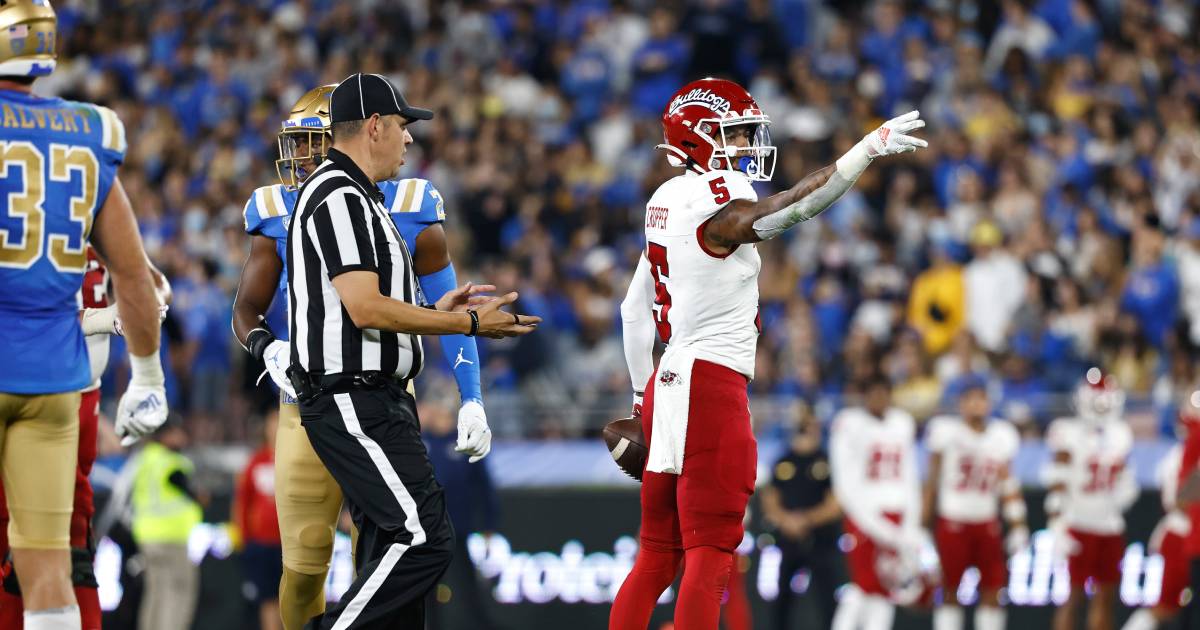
(370, 440)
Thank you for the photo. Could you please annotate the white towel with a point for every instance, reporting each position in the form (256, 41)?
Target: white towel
(672, 398)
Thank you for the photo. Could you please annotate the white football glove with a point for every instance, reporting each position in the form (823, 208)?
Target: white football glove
(1017, 540)
(474, 436)
(277, 357)
(143, 407)
(892, 136)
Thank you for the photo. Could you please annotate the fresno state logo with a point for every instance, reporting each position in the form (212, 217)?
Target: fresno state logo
(700, 96)
(670, 379)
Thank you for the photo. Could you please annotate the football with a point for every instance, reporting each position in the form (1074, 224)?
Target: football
(627, 445)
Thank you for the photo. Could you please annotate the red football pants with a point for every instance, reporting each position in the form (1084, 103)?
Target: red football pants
(12, 611)
(698, 513)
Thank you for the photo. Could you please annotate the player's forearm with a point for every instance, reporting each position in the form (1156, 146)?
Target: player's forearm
(637, 326)
(460, 351)
(137, 305)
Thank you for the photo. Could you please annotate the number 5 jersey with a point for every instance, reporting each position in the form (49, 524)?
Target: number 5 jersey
(704, 300)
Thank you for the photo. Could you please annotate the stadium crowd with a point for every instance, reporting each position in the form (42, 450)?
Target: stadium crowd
(1053, 224)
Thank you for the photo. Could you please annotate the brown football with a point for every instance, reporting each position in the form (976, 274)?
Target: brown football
(627, 445)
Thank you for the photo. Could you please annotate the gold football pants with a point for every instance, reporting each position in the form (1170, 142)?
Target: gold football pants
(39, 445)
(308, 502)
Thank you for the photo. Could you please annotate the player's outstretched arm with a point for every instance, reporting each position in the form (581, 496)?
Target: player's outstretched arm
(637, 326)
(744, 221)
(143, 408)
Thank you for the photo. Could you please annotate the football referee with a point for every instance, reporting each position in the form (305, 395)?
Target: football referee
(356, 320)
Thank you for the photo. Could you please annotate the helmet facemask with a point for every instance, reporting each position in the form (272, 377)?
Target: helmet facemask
(757, 160)
(301, 149)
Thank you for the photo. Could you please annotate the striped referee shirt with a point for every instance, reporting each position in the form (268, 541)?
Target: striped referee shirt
(341, 225)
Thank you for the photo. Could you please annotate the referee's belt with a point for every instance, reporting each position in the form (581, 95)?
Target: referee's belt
(310, 385)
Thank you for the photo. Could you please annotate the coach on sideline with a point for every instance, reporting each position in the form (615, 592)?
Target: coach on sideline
(356, 320)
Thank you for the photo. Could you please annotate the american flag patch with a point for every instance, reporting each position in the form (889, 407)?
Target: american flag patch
(20, 30)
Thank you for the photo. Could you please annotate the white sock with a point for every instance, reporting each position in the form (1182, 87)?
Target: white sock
(1141, 619)
(879, 613)
(949, 617)
(66, 618)
(990, 618)
(849, 609)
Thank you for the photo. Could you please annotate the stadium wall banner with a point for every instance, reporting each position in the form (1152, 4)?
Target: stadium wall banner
(560, 556)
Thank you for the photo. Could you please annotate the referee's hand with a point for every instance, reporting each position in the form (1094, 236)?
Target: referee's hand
(496, 323)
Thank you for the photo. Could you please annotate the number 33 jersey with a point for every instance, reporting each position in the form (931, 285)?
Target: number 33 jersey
(58, 161)
(972, 463)
(703, 300)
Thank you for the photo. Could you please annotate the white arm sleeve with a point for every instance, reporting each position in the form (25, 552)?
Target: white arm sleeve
(848, 169)
(845, 457)
(637, 323)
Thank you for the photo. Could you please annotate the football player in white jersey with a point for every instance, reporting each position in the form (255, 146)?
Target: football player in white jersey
(1089, 488)
(1168, 541)
(968, 485)
(698, 285)
(872, 452)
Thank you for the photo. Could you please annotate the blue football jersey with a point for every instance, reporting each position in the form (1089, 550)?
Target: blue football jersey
(58, 160)
(414, 204)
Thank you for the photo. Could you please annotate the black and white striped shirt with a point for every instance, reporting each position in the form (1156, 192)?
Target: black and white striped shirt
(341, 225)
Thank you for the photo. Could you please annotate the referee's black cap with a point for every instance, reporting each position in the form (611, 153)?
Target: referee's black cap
(360, 95)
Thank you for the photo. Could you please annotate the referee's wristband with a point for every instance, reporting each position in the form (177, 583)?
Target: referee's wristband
(474, 322)
(257, 341)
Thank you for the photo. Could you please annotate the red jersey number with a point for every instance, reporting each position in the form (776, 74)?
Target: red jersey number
(1102, 477)
(720, 192)
(976, 476)
(657, 255)
(884, 464)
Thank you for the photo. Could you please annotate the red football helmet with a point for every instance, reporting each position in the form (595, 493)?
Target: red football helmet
(700, 113)
(1099, 397)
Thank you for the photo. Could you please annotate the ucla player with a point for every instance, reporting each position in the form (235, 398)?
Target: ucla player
(58, 176)
(307, 497)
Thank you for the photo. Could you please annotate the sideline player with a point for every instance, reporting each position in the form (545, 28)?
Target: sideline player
(969, 478)
(1089, 488)
(99, 321)
(1169, 540)
(307, 497)
(872, 452)
(58, 173)
(698, 285)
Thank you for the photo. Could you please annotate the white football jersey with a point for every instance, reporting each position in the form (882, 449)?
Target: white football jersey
(705, 301)
(1099, 454)
(874, 461)
(969, 488)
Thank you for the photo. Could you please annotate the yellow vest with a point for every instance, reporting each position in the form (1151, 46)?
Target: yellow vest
(162, 513)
